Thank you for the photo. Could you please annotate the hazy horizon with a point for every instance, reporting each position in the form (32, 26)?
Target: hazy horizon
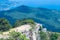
(50, 4)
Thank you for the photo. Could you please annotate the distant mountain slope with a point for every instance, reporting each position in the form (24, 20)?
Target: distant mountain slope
(49, 18)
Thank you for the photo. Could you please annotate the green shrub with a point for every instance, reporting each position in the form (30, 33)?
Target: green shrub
(4, 24)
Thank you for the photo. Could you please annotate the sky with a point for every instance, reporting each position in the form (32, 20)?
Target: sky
(50, 4)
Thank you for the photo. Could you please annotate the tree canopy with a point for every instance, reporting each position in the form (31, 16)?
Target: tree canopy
(4, 24)
(24, 21)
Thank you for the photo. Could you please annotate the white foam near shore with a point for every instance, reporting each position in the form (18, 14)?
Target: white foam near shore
(44, 30)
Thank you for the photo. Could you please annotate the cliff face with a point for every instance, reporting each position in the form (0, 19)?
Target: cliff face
(44, 34)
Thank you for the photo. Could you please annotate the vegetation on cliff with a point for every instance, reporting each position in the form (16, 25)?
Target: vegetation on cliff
(49, 35)
(4, 24)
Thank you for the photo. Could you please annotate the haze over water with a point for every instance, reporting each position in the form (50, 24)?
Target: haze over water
(50, 4)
